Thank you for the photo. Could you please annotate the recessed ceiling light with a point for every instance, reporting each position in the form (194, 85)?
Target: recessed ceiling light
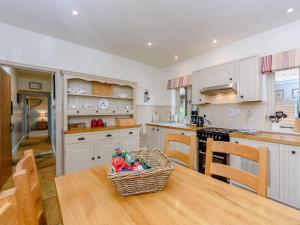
(176, 57)
(215, 41)
(149, 44)
(289, 10)
(75, 12)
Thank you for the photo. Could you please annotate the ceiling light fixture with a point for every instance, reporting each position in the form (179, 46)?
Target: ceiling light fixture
(176, 57)
(215, 41)
(75, 12)
(149, 44)
(289, 10)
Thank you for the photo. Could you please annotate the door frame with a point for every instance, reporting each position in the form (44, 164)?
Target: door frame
(58, 107)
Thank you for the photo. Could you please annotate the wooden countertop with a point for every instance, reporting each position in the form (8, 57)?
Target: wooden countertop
(189, 197)
(273, 137)
(85, 130)
(170, 126)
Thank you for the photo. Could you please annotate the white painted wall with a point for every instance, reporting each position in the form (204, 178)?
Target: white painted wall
(23, 46)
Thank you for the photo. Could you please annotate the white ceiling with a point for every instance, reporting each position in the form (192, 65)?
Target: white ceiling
(175, 27)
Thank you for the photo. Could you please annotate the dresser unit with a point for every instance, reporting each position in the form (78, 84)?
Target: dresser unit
(87, 98)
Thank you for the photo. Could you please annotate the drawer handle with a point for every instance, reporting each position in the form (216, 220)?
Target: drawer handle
(99, 157)
(293, 152)
(130, 132)
(153, 129)
(182, 133)
(236, 142)
(77, 111)
(114, 111)
(157, 129)
(230, 78)
(93, 158)
(242, 96)
(108, 135)
(81, 139)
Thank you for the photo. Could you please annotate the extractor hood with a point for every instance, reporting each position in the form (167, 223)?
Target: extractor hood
(219, 89)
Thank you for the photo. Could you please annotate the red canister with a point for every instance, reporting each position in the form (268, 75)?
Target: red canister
(99, 123)
(93, 123)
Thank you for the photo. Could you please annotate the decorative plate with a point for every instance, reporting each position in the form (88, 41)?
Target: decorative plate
(103, 103)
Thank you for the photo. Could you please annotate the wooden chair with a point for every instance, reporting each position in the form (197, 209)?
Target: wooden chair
(10, 212)
(260, 155)
(29, 195)
(188, 159)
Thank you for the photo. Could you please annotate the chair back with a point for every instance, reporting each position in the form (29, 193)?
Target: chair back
(27, 183)
(10, 212)
(260, 155)
(190, 141)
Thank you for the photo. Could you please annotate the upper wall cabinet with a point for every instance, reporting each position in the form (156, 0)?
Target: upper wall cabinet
(200, 80)
(249, 82)
(221, 74)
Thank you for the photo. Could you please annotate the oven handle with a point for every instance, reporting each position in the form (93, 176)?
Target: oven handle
(214, 156)
(203, 141)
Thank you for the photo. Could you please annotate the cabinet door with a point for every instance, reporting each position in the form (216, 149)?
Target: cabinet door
(199, 81)
(130, 143)
(249, 80)
(79, 157)
(273, 181)
(152, 138)
(105, 150)
(292, 176)
(221, 74)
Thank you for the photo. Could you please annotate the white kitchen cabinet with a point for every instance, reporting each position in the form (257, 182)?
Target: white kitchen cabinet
(79, 157)
(221, 74)
(249, 82)
(250, 166)
(154, 137)
(199, 80)
(86, 150)
(291, 184)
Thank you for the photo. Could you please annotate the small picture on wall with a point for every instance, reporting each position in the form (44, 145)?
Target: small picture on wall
(35, 85)
(279, 94)
(295, 93)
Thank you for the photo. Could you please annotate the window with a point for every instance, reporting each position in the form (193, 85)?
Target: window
(182, 102)
(287, 95)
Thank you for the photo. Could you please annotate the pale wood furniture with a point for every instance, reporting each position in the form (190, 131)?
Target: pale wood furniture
(29, 195)
(188, 159)
(283, 169)
(257, 183)
(10, 212)
(42, 125)
(5, 133)
(189, 197)
(84, 150)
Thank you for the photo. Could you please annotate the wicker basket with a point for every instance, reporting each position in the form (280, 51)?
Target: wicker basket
(144, 181)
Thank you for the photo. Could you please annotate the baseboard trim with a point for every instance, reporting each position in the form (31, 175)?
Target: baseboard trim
(15, 148)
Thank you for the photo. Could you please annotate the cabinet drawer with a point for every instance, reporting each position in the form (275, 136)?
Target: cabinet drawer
(78, 138)
(125, 133)
(107, 135)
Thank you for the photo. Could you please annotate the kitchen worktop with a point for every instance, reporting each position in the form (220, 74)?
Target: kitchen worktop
(273, 137)
(177, 126)
(85, 130)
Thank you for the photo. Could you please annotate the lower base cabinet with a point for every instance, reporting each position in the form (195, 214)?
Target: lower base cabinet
(283, 170)
(86, 150)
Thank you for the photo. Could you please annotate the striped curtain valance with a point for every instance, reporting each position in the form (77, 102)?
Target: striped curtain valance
(280, 61)
(179, 82)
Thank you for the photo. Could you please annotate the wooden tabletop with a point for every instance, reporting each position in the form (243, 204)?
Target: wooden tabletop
(272, 137)
(189, 197)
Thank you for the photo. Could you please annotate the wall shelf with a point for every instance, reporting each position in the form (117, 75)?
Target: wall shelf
(98, 96)
(100, 114)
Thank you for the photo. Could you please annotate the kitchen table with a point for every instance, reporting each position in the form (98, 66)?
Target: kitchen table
(189, 197)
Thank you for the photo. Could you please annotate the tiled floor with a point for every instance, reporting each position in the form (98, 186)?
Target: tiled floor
(45, 161)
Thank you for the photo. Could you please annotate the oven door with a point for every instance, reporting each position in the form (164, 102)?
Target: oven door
(220, 158)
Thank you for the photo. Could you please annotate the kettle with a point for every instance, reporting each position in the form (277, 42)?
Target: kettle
(93, 123)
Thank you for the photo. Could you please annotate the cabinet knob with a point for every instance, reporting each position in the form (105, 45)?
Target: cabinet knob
(97, 111)
(77, 111)
(93, 158)
(81, 139)
(108, 135)
(293, 152)
(130, 132)
(99, 157)
(182, 133)
(153, 129)
(242, 96)
(236, 142)
(230, 78)
(200, 99)
(114, 111)
(157, 129)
